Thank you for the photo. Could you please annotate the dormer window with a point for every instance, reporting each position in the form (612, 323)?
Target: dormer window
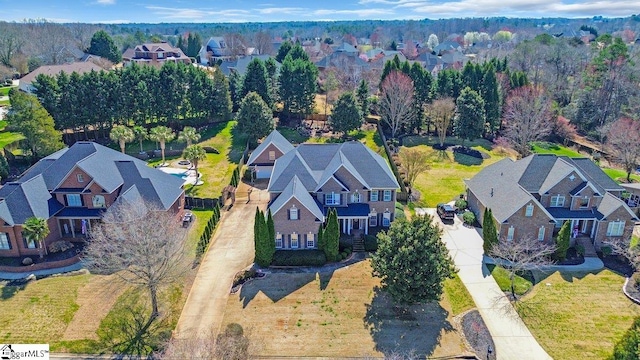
(584, 202)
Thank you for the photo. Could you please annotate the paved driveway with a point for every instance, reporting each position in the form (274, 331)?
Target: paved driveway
(512, 338)
(230, 251)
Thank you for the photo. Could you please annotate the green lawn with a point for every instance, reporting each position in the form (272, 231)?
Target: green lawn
(7, 138)
(5, 102)
(620, 175)
(578, 316)
(521, 284)
(556, 149)
(458, 296)
(444, 181)
(4, 91)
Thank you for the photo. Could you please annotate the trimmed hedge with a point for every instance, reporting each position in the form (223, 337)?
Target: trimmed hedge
(370, 243)
(208, 231)
(299, 258)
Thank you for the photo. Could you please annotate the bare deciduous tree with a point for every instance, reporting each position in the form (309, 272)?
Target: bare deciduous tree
(141, 244)
(623, 140)
(414, 162)
(626, 249)
(11, 41)
(235, 44)
(519, 255)
(527, 117)
(232, 343)
(396, 101)
(263, 43)
(441, 112)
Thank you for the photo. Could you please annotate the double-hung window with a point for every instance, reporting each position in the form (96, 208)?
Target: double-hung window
(279, 241)
(374, 195)
(293, 213)
(294, 241)
(529, 210)
(356, 197)
(5, 244)
(332, 199)
(557, 201)
(584, 202)
(510, 233)
(541, 233)
(272, 155)
(311, 240)
(373, 220)
(74, 200)
(615, 228)
(386, 195)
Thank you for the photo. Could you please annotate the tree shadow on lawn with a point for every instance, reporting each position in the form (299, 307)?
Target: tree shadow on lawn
(238, 144)
(567, 275)
(277, 286)
(414, 329)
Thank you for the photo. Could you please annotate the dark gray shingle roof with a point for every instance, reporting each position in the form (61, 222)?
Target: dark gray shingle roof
(274, 138)
(22, 200)
(295, 189)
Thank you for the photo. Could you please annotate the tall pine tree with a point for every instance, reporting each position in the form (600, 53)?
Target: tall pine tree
(489, 233)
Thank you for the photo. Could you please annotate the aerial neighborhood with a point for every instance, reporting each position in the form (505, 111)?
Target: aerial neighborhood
(319, 183)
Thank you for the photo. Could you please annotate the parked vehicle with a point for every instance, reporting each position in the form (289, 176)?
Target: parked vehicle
(446, 212)
(187, 218)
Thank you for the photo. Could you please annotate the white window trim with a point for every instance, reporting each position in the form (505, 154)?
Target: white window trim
(557, 201)
(311, 240)
(584, 198)
(373, 220)
(295, 237)
(272, 155)
(510, 233)
(387, 195)
(80, 178)
(541, 233)
(529, 210)
(330, 198)
(5, 244)
(386, 218)
(294, 213)
(615, 228)
(356, 198)
(278, 241)
(374, 195)
(75, 196)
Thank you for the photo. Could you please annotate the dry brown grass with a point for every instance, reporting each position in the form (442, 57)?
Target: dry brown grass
(578, 316)
(338, 315)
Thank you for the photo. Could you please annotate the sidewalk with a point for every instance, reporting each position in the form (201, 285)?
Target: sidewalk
(39, 273)
(590, 264)
(511, 337)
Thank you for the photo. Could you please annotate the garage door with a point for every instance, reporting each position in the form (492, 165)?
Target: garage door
(263, 172)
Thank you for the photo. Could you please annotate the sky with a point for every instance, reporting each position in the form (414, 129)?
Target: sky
(207, 11)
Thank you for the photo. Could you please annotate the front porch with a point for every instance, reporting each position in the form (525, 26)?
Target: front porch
(76, 223)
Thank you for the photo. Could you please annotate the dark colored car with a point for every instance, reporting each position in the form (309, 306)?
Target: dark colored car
(446, 212)
(187, 218)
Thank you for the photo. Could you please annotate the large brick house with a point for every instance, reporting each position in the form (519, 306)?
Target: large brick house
(534, 196)
(155, 54)
(72, 187)
(307, 180)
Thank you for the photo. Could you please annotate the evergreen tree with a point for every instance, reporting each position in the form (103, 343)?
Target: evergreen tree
(563, 241)
(255, 117)
(194, 43)
(235, 90)
(491, 96)
(265, 247)
(414, 245)
(257, 79)
(346, 116)
(272, 74)
(331, 236)
(627, 347)
(272, 234)
(283, 51)
(4, 168)
(297, 52)
(321, 242)
(298, 81)
(489, 233)
(220, 103)
(363, 97)
(103, 45)
(470, 117)
(256, 229)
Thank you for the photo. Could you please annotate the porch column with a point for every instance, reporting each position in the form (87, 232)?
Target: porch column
(344, 226)
(366, 226)
(59, 227)
(349, 226)
(73, 231)
(593, 229)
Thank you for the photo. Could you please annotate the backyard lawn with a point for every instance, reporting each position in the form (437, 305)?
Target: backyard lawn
(342, 314)
(444, 181)
(552, 148)
(580, 315)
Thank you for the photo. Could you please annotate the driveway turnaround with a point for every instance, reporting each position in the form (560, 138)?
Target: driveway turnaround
(230, 251)
(512, 338)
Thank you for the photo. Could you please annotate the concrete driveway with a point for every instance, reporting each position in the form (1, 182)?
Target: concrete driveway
(512, 338)
(230, 251)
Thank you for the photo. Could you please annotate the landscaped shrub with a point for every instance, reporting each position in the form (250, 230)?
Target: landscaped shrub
(243, 276)
(370, 243)
(299, 258)
(344, 255)
(345, 243)
(606, 250)
(580, 250)
(60, 246)
(461, 204)
(399, 211)
(627, 347)
(27, 261)
(563, 241)
(210, 150)
(469, 218)
(468, 151)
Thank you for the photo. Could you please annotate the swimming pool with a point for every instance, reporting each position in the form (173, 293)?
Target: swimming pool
(187, 175)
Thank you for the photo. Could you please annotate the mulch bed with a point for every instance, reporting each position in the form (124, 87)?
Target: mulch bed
(573, 258)
(618, 264)
(477, 335)
(64, 255)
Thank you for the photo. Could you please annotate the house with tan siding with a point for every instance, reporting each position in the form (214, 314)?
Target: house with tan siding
(308, 180)
(533, 197)
(72, 187)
